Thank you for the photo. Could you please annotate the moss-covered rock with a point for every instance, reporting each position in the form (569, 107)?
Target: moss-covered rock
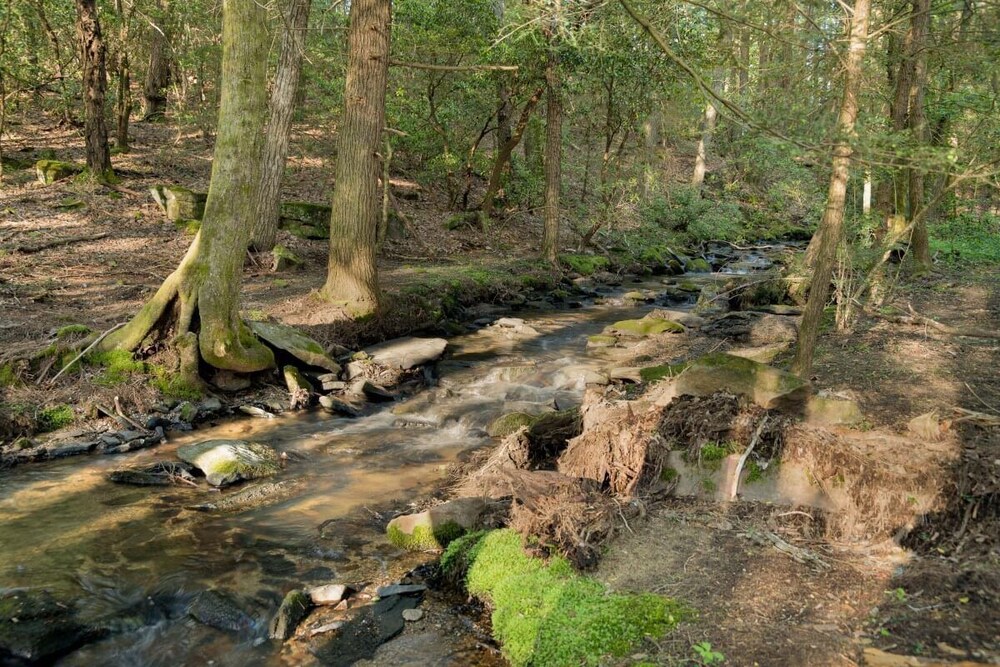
(771, 388)
(283, 259)
(645, 327)
(509, 423)
(229, 461)
(179, 203)
(188, 227)
(698, 265)
(543, 613)
(601, 340)
(295, 343)
(50, 171)
(585, 265)
(293, 610)
(305, 219)
(662, 372)
(437, 527)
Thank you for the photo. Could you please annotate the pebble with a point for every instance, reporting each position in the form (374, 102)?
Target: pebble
(412, 614)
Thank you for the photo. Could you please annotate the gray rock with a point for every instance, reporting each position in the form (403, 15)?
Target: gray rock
(230, 381)
(369, 629)
(337, 406)
(399, 589)
(371, 391)
(209, 405)
(436, 527)
(257, 495)
(295, 343)
(228, 461)
(60, 449)
(294, 608)
(328, 594)
(407, 353)
(412, 615)
(219, 611)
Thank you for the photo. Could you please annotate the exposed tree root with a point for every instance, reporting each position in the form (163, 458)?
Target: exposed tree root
(916, 319)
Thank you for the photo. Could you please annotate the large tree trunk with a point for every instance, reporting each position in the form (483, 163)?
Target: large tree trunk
(917, 121)
(154, 90)
(199, 301)
(707, 129)
(88, 33)
(352, 276)
(279, 124)
(553, 158)
(831, 227)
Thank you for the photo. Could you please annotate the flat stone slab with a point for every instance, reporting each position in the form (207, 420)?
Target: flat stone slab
(768, 387)
(295, 343)
(407, 353)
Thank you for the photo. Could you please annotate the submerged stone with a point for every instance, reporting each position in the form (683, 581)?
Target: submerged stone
(37, 629)
(228, 461)
(218, 610)
(435, 528)
(295, 343)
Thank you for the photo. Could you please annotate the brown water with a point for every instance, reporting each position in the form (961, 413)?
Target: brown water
(133, 557)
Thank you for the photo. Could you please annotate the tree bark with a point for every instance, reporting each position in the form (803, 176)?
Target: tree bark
(154, 90)
(503, 156)
(95, 78)
(279, 124)
(553, 158)
(352, 276)
(917, 121)
(199, 301)
(831, 227)
(707, 129)
(123, 104)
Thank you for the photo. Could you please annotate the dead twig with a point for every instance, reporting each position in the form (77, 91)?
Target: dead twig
(132, 422)
(84, 353)
(38, 247)
(745, 456)
(798, 554)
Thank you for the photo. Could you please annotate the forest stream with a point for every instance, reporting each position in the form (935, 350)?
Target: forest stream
(132, 559)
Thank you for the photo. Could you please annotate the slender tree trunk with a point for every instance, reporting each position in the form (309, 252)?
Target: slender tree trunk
(833, 216)
(279, 124)
(707, 129)
(123, 104)
(199, 301)
(352, 276)
(154, 90)
(919, 242)
(88, 32)
(553, 157)
(503, 157)
(650, 143)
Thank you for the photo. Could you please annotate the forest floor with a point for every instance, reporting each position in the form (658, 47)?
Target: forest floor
(937, 598)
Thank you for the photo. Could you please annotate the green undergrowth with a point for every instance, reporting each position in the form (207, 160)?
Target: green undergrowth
(585, 265)
(652, 374)
(115, 367)
(54, 417)
(967, 240)
(544, 614)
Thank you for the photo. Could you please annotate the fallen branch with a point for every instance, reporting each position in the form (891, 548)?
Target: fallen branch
(123, 190)
(798, 554)
(121, 413)
(85, 351)
(977, 418)
(29, 249)
(746, 454)
(916, 319)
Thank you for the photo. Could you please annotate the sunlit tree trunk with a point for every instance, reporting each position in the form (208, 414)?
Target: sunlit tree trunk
(831, 225)
(707, 129)
(198, 303)
(95, 78)
(283, 95)
(352, 276)
(553, 157)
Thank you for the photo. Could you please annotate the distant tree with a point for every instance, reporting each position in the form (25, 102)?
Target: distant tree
(352, 274)
(154, 89)
(95, 82)
(553, 155)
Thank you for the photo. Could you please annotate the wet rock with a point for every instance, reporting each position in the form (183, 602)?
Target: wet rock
(230, 381)
(228, 461)
(294, 343)
(407, 353)
(578, 377)
(338, 406)
(399, 589)
(218, 610)
(186, 412)
(412, 615)
(50, 171)
(35, 628)
(360, 637)
(300, 390)
(371, 391)
(515, 325)
(161, 473)
(294, 608)
(425, 649)
(769, 387)
(257, 495)
(58, 450)
(435, 528)
(329, 594)
(698, 265)
(636, 296)
(601, 340)
(645, 327)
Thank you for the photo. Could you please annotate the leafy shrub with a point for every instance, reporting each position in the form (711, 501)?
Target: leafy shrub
(54, 417)
(968, 239)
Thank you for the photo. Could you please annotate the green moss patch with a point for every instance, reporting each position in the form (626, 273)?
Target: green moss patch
(646, 327)
(509, 423)
(545, 614)
(657, 373)
(585, 265)
(54, 417)
(73, 330)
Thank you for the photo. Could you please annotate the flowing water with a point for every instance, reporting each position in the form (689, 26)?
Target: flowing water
(132, 558)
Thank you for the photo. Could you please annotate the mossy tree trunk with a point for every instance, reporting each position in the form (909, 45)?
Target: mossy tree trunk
(198, 302)
(831, 226)
(95, 82)
(279, 124)
(553, 156)
(352, 276)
